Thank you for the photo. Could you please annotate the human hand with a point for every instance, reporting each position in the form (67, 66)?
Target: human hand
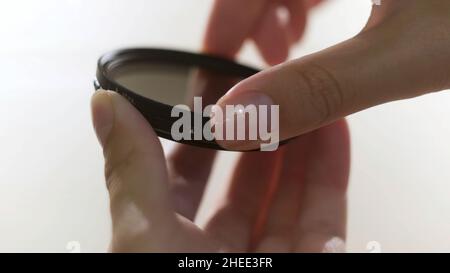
(256, 19)
(288, 200)
(402, 52)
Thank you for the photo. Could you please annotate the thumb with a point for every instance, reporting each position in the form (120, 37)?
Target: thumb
(378, 65)
(136, 174)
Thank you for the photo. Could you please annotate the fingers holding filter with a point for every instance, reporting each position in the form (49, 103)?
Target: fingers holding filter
(136, 176)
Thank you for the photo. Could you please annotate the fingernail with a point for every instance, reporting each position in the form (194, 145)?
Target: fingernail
(334, 245)
(225, 114)
(102, 115)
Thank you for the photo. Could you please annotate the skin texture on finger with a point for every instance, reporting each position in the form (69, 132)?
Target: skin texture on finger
(230, 24)
(313, 166)
(377, 66)
(237, 223)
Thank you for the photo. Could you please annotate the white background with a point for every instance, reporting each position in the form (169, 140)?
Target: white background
(51, 170)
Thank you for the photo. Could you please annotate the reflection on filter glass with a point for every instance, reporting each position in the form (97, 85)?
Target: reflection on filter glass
(174, 84)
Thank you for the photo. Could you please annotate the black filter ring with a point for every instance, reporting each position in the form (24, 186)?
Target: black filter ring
(156, 113)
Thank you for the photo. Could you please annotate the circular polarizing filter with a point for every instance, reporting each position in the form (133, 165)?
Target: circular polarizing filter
(156, 81)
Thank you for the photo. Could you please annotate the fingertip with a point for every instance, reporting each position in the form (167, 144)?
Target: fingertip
(246, 121)
(277, 55)
(102, 115)
(135, 168)
(131, 134)
(129, 119)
